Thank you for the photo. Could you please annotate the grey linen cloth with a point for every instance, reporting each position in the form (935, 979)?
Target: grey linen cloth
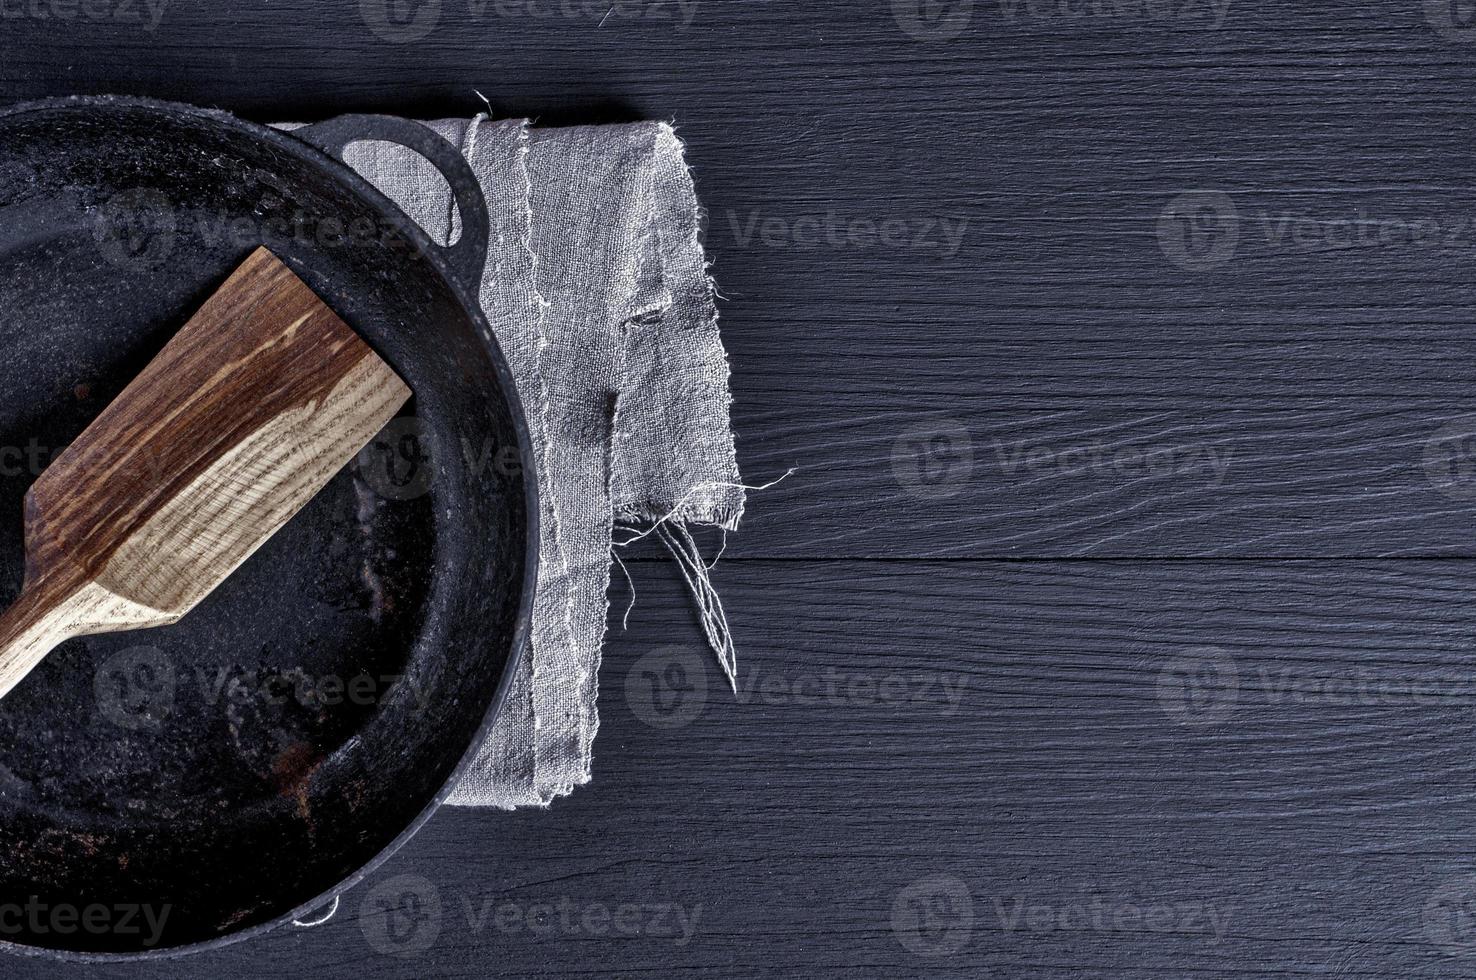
(597, 289)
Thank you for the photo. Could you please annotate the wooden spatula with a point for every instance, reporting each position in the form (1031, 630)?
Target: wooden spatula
(237, 423)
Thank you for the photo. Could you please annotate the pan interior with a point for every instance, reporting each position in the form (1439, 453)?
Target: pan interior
(218, 773)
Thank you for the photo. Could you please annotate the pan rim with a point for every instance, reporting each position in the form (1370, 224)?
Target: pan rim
(306, 152)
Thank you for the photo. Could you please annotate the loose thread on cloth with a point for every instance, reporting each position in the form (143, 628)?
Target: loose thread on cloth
(697, 488)
(722, 549)
(630, 585)
(678, 540)
(695, 571)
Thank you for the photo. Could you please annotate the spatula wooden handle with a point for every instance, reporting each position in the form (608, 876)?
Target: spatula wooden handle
(30, 629)
(43, 618)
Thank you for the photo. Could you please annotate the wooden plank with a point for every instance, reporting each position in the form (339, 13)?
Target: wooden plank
(974, 475)
(1044, 277)
(1321, 808)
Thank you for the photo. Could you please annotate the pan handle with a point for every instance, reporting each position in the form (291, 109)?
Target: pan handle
(469, 254)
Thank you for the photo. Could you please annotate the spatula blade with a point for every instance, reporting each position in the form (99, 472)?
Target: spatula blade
(239, 421)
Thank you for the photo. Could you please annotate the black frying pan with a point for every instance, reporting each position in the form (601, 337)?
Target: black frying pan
(284, 738)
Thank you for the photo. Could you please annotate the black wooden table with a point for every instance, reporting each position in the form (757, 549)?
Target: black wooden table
(1115, 620)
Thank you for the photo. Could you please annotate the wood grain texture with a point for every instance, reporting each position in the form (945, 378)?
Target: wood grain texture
(1026, 745)
(1034, 163)
(1324, 362)
(249, 409)
(978, 475)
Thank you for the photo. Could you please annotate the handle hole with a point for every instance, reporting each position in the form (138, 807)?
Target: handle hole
(410, 180)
